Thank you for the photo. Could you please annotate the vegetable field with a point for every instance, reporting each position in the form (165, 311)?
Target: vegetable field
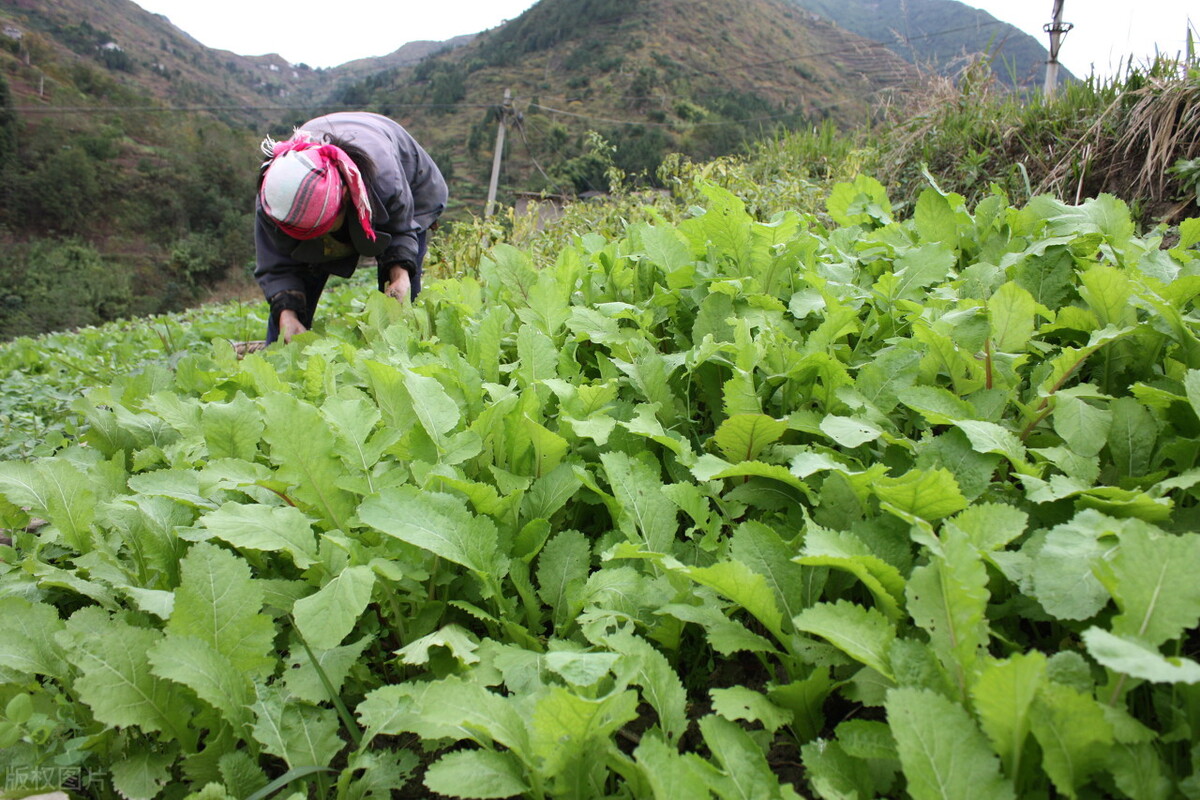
(837, 507)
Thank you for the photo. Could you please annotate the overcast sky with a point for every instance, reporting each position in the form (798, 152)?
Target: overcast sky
(328, 34)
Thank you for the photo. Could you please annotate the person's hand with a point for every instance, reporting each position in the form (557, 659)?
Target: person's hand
(290, 325)
(400, 285)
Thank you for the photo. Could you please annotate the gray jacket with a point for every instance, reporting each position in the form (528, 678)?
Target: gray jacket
(408, 194)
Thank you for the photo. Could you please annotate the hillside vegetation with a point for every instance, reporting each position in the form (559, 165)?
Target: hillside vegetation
(942, 35)
(652, 77)
(770, 488)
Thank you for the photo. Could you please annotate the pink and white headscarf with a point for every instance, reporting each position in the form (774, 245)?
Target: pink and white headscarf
(303, 184)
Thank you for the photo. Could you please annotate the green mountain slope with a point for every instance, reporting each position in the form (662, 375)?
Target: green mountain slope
(652, 76)
(941, 34)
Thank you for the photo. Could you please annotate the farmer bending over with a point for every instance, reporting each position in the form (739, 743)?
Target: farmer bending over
(345, 185)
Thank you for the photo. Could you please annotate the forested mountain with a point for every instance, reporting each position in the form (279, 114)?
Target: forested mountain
(651, 76)
(941, 34)
(128, 150)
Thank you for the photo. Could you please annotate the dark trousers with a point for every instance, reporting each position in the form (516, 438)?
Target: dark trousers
(314, 279)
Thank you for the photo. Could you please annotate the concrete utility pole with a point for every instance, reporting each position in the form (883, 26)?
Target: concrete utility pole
(490, 208)
(1057, 30)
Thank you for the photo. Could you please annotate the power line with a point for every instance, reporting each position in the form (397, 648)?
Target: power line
(650, 123)
(191, 109)
(868, 44)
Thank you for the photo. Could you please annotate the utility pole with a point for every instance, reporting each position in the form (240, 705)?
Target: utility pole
(490, 208)
(1057, 30)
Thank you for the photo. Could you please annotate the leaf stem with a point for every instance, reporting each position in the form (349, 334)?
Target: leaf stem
(343, 712)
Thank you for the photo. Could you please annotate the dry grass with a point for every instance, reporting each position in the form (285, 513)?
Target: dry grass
(1121, 137)
(1129, 149)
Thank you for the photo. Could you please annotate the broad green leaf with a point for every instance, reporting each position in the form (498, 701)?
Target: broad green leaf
(833, 773)
(725, 224)
(1063, 575)
(642, 665)
(301, 675)
(1136, 659)
(563, 568)
(1191, 385)
(866, 739)
(988, 437)
(460, 709)
(990, 526)
(710, 468)
(935, 219)
(580, 669)
(302, 735)
(942, 752)
(178, 484)
(266, 528)
(1067, 364)
(210, 674)
(302, 448)
(437, 522)
(666, 247)
(56, 490)
(241, 774)
(743, 703)
(670, 774)
(650, 375)
(1082, 426)
(849, 432)
(435, 409)
(1075, 736)
(746, 771)
(737, 582)
(844, 551)
(952, 450)
(649, 515)
(27, 638)
(458, 640)
(1189, 232)
(548, 304)
(232, 429)
(564, 725)
(1139, 772)
(219, 603)
(1011, 312)
(325, 618)
(937, 405)
(537, 355)
(743, 437)
(551, 492)
(353, 419)
(861, 202)
(549, 448)
(724, 635)
(114, 678)
(1047, 276)
(921, 267)
(1004, 694)
(143, 775)
(1132, 436)
(883, 380)
(761, 548)
(864, 634)
(928, 494)
(805, 700)
(1107, 291)
(476, 774)
(948, 598)
(1152, 579)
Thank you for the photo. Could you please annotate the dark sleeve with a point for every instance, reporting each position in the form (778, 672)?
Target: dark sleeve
(401, 225)
(415, 195)
(277, 273)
